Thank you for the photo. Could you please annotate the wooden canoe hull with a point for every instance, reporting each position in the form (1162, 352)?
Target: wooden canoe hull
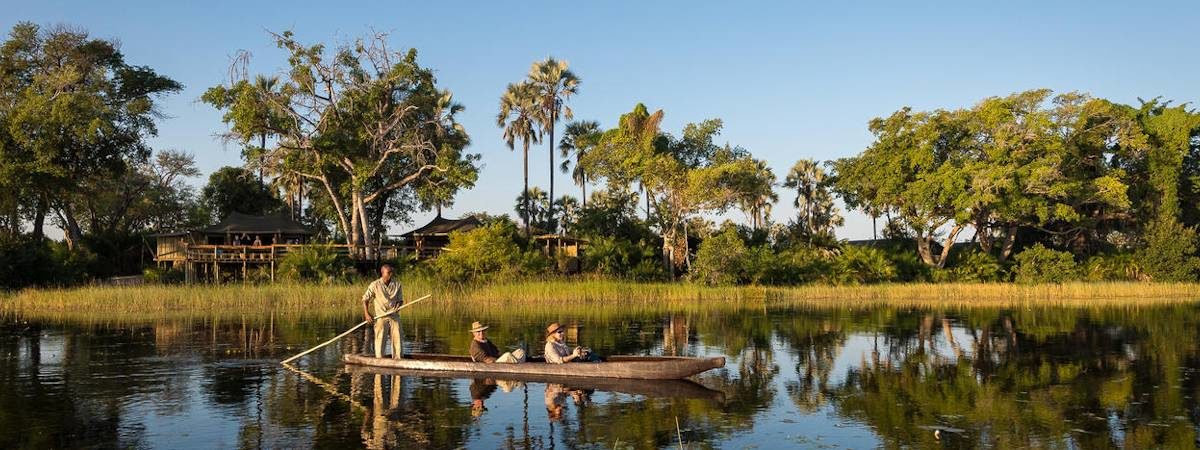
(621, 367)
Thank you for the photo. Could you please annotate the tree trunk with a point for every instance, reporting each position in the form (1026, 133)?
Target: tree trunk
(1010, 240)
(39, 219)
(364, 221)
(337, 205)
(550, 220)
(71, 230)
(525, 193)
(582, 187)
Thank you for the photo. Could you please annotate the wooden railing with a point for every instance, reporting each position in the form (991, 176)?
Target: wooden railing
(267, 253)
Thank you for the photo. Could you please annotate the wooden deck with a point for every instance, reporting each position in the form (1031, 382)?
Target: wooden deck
(266, 253)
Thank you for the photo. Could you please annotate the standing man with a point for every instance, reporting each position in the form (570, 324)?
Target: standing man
(384, 295)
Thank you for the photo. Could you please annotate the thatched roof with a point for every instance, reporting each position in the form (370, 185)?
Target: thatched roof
(237, 223)
(441, 226)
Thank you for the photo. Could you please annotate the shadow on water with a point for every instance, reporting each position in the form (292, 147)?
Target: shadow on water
(862, 377)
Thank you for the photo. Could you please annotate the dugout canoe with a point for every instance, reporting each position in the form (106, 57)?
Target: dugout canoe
(649, 388)
(621, 367)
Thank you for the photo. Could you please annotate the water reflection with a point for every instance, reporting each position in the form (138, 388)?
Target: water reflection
(897, 378)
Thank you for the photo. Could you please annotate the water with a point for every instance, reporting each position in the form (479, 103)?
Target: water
(795, 377)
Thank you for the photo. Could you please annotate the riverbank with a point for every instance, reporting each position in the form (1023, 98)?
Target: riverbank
(158, 302)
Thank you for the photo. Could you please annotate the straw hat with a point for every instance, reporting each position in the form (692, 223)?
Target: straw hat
(476, 326)
(554, 326)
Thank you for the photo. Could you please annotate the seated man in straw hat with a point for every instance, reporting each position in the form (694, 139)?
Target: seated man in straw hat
(483, 350)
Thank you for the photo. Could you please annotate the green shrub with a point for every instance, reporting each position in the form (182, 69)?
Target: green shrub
(861, 265)
(720, 258)
(1170, 252)
(1114, 267)
(162, 275)
(615, 257)
(1038, 264)
(484, 252)
(25, 262)
(972, 266)
(315, 263)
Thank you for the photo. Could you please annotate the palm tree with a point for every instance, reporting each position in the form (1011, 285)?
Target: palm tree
(758, 194)
(554, 84)
(517, 110)
(536, 214)
(814, 203)
(578, 138)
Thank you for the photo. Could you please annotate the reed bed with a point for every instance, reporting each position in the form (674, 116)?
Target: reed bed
(130, 304)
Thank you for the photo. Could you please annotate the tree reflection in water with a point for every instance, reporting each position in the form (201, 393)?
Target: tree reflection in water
(994, 378)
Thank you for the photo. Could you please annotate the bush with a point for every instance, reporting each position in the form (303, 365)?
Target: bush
(162, 275)
(1169, 254)
(720, 259)
(616, 257)
(973, 266)
(1038, 264)
(861, 265)
(484, 252)
(1115, 267)
(25, 261)
(316, 263)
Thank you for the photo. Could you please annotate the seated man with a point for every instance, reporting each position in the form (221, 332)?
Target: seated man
(483, 350)
(557, 352)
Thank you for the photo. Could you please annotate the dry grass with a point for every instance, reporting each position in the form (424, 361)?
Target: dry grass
(151, 303)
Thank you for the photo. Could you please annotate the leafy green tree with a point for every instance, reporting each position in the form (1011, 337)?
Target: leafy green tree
(1038, 264)
(553, 84)
(73, 111)
(518, 109)
(720, 258)
(578, 138)
(757, 194)
(486, 251)
(365, 124)
(682, 177)
(816, 215)
(234, 189)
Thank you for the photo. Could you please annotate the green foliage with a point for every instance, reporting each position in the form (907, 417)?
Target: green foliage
(790, 266)
(614, 257)
(234, 189)
(26, 262)
(861, 265)
(73, 113)
(1169, 253)
(720, 259)
(1113, 267)
(162, 275)
(1038, 264)
(486, 252)
(973, 266)
(315, 263)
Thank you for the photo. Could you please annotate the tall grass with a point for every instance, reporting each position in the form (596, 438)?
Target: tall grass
(98, 304)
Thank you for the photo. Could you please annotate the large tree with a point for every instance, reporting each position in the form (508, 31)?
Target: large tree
(234, 189)
(73, 113)
(816, 215)
(364, 123)
(682, 176)
(518, 109)
(578, 138)
(553, 84)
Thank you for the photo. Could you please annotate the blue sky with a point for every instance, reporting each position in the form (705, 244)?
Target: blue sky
(791, 80)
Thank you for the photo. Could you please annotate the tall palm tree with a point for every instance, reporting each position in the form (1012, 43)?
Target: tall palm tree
(518, 108)
(578, 138)
(758, 194)
(817, 214)
(554, 84)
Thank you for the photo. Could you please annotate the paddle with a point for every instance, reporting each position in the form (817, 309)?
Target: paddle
(356, 327)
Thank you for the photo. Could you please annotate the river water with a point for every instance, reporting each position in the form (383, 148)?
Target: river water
(795, 377)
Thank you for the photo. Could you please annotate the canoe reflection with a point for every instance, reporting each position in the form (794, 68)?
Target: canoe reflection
(649, 388)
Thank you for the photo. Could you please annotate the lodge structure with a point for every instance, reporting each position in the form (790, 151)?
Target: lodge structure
(243, 244)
